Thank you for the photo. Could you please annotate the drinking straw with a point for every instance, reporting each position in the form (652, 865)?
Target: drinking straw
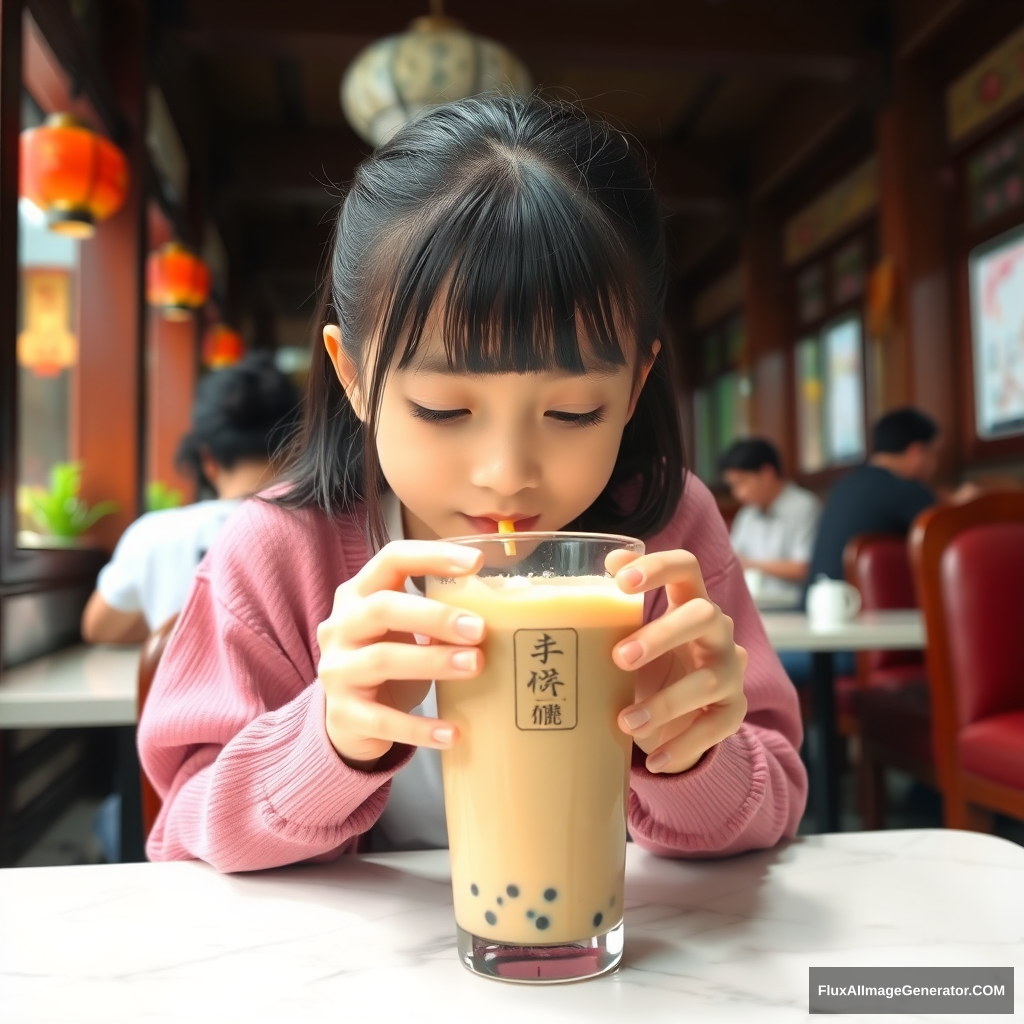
(507, 526)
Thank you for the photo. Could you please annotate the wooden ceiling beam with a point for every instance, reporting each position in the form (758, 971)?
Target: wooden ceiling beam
(801, 38)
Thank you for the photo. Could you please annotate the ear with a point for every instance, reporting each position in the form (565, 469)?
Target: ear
(208, 465)
(644, 371)
(344, 368)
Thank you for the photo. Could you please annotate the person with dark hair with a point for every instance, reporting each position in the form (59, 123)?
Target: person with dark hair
(773, 533)
(491, 350)
(241, 416)
(885, 495)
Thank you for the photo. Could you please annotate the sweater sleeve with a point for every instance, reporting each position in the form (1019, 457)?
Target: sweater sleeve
(233, 738)
(749, 791)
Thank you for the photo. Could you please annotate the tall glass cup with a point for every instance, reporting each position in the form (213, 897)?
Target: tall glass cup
(536, 786)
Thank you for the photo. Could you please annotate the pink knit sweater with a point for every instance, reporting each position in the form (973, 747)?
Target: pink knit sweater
(233, 733)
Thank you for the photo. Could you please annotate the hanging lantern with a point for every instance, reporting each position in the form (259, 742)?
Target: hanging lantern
(74, 175)
(435, 61)
(222, 346)
(177, 281)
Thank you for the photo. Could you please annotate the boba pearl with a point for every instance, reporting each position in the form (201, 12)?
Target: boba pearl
(512, 890)
(550, 895)
(490, 917)
(542, 923)
(598, 918)
(501, 902)
(531, 914)
(474, 889)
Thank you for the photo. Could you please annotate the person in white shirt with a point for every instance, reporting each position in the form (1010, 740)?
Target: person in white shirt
(773, 533)
(240, 417)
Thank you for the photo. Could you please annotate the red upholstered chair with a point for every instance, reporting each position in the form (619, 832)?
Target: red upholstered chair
(149, 660)
(891, 701)
(969, 563)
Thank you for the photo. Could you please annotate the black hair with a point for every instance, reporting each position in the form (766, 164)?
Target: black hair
(750, 456)
(245, 411)
(896, 431)
(535, 232)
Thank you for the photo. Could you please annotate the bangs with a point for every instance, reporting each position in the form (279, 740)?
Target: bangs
(522, 272)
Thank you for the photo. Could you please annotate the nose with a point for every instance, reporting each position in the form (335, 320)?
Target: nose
(506, 464)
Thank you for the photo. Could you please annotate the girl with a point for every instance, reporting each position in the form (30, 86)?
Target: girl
(492, 351)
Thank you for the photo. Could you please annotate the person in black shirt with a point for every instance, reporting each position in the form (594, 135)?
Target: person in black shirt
(884, 495)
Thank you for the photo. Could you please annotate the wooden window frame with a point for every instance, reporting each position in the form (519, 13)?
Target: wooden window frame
(868, 229)
(113, 300)
(977, 450)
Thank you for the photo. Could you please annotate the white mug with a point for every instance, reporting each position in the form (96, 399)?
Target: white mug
(831, 602)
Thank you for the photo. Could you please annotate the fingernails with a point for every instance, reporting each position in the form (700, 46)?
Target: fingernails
(632, 577)
(443, 735)
(464, 661)
(469, 626)
(637, 717)
(658, 761)
(631, 652)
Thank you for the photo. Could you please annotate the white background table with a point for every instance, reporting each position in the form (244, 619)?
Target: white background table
(85, 686)
(373, 938)
(78, 686)
(792, 631)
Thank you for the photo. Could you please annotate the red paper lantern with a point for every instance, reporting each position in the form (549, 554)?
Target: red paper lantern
(74, 175)
(222, 346)
(177, 281)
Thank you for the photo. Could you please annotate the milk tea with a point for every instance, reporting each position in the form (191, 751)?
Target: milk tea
(536, 786)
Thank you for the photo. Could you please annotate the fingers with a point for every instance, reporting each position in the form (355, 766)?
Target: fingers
(698, 619)
(677, 571)
(365, 729)
(370, 618)
(618, 559)
(697, 690)
(397, 561)
(711, 727)
(369, 667)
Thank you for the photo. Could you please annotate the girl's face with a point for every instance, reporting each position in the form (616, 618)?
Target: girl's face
(462, 451)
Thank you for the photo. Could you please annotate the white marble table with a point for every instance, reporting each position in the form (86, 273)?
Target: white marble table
(373, 938)
(79, 686)
(793, 631)
(869, 631)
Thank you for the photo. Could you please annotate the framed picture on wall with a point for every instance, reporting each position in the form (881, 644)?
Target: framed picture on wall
(996, 274)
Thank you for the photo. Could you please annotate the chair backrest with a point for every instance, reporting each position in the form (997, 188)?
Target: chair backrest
(969, 563)
(878, 565)
(149, 661)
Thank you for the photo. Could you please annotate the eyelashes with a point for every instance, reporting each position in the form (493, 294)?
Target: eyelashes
(421, 412)
(444, 416)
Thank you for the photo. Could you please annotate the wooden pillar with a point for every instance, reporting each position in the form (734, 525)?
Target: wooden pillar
(766, 314)
(917, 361)
(172, 380)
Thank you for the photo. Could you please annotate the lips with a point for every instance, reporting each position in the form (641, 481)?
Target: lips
(489, 522)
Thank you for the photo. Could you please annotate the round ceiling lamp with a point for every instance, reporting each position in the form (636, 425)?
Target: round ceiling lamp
(222, 346)
(177, 281)
(73, 175)
(436, 60)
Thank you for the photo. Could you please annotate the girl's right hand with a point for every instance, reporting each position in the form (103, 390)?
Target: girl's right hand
(371, 667)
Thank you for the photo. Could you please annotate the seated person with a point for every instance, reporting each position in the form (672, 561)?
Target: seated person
(240, 417)
(773, 533)
(885, 495)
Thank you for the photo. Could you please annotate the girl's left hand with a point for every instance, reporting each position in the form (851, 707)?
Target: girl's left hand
(689, 688)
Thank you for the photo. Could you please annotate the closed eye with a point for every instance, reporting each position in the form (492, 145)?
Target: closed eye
(579, 419)
(421, 412)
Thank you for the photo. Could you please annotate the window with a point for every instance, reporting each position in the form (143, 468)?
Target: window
(47, 351)
(830, 395)
(721, 406)
(996, 272)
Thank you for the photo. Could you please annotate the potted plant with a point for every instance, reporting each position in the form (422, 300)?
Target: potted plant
(159, 496)
(59, 514)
